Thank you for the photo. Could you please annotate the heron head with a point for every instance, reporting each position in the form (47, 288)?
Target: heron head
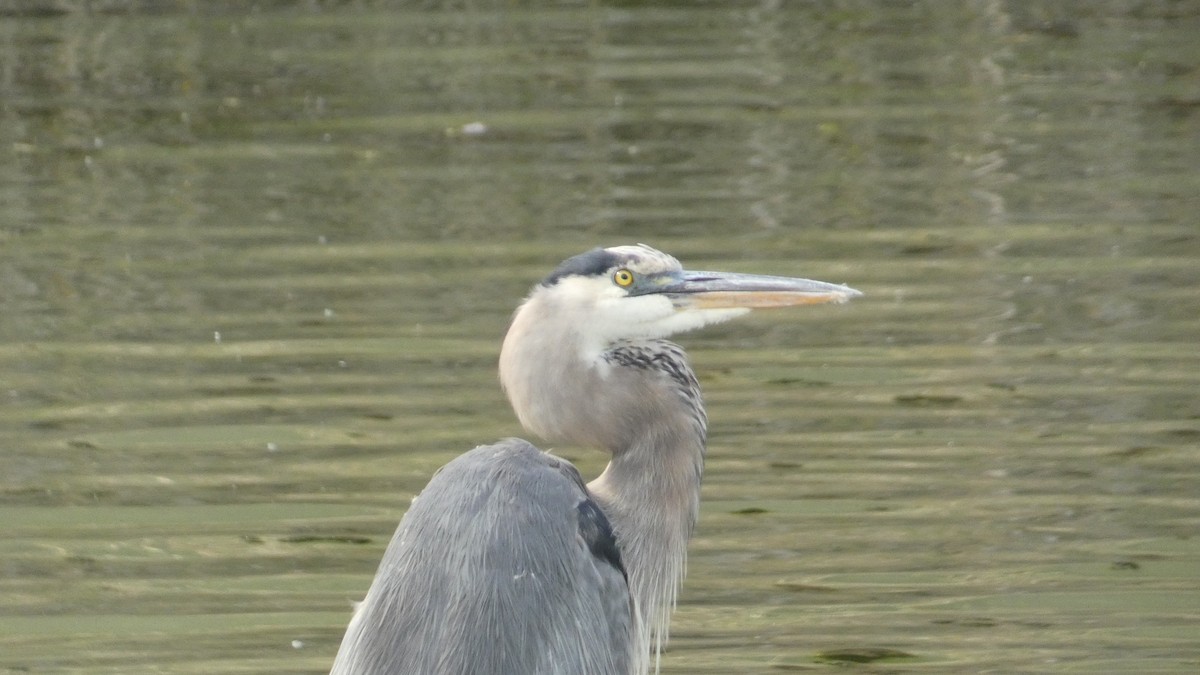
(556, 346)
(637, 292)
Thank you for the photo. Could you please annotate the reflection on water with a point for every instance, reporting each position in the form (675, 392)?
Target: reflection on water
(255, 265)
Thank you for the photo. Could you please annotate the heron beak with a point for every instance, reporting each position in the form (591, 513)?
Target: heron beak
(722, 290)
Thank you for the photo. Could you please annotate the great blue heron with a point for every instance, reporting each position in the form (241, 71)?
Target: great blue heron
(508, 563)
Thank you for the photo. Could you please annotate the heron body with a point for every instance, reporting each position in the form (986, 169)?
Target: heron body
(453, 619)
(507, 563)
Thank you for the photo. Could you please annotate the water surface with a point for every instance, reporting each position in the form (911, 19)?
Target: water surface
(255, 265)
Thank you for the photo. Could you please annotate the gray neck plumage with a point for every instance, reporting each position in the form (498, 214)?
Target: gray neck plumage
(651, 494)
(641, 402)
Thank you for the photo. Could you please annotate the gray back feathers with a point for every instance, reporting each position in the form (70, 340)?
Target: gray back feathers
(472, 580)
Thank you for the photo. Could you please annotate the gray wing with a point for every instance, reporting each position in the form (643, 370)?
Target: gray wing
(504, 565)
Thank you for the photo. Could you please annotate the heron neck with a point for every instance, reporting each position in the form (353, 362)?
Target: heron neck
(651, 494)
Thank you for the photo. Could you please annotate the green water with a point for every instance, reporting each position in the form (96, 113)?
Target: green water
(256, 262)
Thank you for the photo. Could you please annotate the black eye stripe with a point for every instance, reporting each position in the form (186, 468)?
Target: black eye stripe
(595, 262)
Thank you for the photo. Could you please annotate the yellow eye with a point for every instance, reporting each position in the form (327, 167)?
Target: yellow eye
(623, 278)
